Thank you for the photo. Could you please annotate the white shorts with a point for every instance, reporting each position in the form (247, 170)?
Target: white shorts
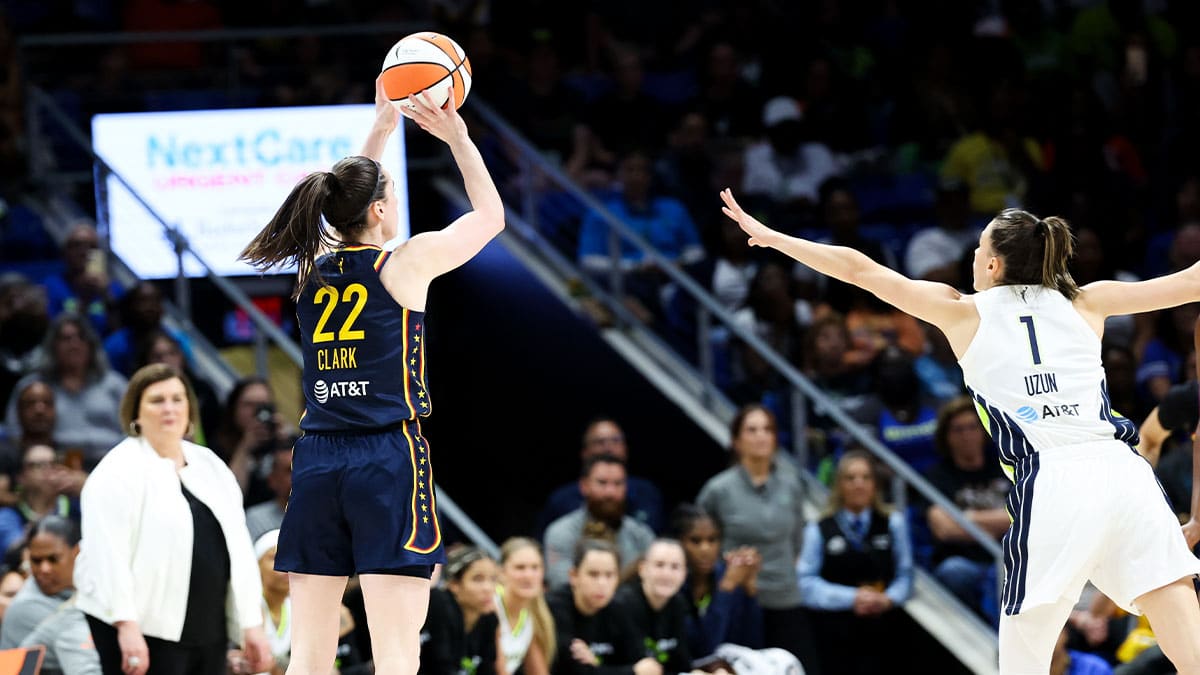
(1092, 511)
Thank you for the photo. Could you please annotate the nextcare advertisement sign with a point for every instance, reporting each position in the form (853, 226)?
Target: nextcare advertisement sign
(219, 176)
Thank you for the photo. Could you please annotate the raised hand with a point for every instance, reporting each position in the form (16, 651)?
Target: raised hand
(443, 122)
(759, 234)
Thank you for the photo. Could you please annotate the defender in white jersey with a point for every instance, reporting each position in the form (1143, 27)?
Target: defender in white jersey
(1085, 506)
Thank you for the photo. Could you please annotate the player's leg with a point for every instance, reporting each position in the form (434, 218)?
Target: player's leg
(1027, 639)
(396, 606)
(1174, 614)
(316, 608)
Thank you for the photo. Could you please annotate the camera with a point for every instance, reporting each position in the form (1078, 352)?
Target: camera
(265, 413)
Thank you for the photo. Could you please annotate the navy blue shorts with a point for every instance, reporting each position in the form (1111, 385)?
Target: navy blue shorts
(361, 504)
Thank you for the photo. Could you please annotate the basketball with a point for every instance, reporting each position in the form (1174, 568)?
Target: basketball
(426, 60)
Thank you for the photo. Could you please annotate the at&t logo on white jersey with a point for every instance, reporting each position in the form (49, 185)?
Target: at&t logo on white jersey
(323, 391)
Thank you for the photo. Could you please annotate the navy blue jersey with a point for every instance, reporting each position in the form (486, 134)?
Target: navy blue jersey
(364, 354)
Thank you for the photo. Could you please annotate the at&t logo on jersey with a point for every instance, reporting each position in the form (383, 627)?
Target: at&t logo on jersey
(323, 391)
(1027, 413)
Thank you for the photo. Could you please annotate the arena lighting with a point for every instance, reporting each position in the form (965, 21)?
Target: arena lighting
(219, 175)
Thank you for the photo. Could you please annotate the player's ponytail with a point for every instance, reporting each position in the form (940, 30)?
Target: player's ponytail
(296, 234)
(1035, 251)
(1060, 246)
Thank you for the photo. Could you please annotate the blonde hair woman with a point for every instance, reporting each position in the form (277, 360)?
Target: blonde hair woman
(527, 639)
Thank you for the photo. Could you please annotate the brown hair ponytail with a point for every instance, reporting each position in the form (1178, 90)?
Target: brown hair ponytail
(1060, 246)
(296, 234)
(1035, 251)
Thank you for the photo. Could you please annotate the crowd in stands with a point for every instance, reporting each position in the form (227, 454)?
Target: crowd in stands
(865, 123)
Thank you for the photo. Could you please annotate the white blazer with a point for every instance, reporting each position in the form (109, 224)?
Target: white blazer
(135, 558)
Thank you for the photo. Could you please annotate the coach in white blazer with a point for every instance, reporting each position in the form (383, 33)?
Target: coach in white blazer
(166, 575)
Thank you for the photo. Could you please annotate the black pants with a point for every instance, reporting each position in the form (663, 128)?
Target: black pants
(166, 657)
(790, 629)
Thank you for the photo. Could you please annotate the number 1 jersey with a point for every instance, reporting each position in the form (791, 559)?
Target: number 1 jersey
(364, 354)
(1034, 371)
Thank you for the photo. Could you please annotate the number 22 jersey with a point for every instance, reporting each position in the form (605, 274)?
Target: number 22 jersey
(364, 354)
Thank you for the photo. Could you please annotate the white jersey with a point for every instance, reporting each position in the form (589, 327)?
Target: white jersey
(514, 640)
(1034, 371)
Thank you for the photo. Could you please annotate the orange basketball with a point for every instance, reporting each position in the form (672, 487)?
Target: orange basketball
(426, 60)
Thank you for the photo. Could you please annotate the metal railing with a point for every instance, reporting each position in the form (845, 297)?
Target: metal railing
(531, 169)
(532, 173)
(39, 103)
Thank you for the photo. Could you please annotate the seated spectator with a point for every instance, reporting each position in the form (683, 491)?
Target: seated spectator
(83, 287)
(855, 572)
(969, 475)
(1120, 381)
(527, 635)
(277, 603)
(250, 429)
(40, 487)
(999, 163)
(11, 581)
(659, 613)
(277, 612)
(159, 346)
(686, 166)
(904, 423)
(35, 426)
(1072, 662)
(460, 631)
(731, 268)
(661, 220)
(773, 312)
(36, 419)
(720, 591)
(64, 632)
(23, 322)
(760, 502)
(839, 213)
(827, 362)
(937, 368)
(602, 516)
(53, 545)
(594, 635)
(643, 500)
(68, 641)
(86, 391)
(1164, 354)
(267, 516)
(934, 253)
(141, 311)
(628, 115)
(784, 171)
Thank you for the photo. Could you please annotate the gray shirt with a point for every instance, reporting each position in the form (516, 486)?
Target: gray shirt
(563, 534)
(68, 642)
(262, 518)
(28, 608)
(86, 419)
(769, 517)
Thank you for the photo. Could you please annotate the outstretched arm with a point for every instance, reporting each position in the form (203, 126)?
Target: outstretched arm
(1102, 299)
(939, 304)
(431, 254)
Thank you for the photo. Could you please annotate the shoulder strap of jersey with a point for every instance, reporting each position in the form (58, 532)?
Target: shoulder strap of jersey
(381, 259)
